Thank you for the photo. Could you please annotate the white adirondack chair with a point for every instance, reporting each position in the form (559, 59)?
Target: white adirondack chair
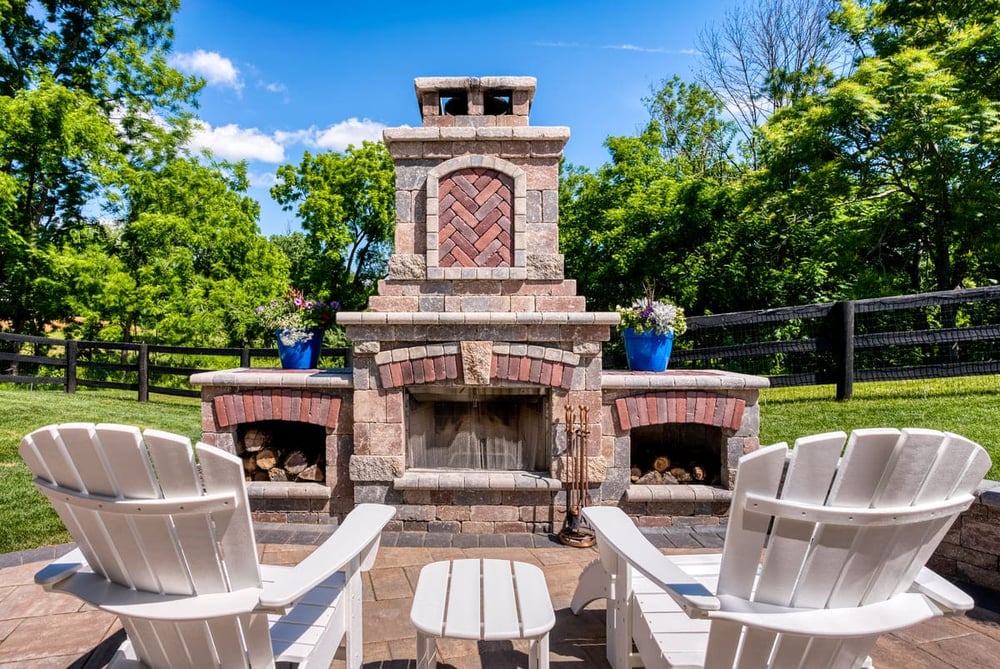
(165, 542)
(819, 559)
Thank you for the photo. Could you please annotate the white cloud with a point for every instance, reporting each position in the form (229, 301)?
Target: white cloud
(231, 142)
(275, 87)
(215, 68)
(352, 131)
(262, 179)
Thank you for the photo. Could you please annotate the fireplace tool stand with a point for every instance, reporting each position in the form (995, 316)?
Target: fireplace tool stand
(574, 531)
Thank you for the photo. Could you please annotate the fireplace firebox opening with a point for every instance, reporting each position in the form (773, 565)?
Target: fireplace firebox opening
(669, 453)
(470, 428)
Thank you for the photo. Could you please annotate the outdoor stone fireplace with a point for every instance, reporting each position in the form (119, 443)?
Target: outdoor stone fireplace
(475, 350)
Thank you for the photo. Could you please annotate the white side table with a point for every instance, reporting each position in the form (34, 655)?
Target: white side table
(483, 600)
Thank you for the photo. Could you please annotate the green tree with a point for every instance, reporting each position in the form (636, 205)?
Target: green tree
(900, 159)
(84, 89)
(346, 202)
(186, 266)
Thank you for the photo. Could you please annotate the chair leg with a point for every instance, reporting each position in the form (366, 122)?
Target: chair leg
(426, 652)
(538, 652)
(354, 641)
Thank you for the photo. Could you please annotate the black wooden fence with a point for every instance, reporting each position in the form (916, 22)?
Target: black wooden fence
(145, 368)
(947, 333)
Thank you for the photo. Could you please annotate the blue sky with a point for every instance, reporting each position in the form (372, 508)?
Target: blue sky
(287, 77)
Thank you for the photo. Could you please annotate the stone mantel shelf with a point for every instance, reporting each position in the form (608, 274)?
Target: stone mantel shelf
(478, 318)
(681, 379)
(245, 377)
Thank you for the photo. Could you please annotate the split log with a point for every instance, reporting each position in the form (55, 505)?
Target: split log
(635, 474)
(661, 464)
(652, 477)
(260, 475)
(311, 473)
(697, 473)
(295, 462)
(266, 459)
(276, 474)
(249, 464)
(682, 475)
(254, 440)
(668, 479)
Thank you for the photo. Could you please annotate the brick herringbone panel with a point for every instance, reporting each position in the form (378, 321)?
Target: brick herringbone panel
(475, 219)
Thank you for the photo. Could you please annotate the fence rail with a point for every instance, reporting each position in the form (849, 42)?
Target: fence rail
(144, 368)
(930, 335)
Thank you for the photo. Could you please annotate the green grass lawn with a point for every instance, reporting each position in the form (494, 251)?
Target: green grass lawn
(26, 519)
(969, 406)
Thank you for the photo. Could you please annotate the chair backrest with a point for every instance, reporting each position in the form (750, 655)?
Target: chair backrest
(152, 513)
(839, 525)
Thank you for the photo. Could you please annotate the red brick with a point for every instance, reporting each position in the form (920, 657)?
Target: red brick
(524, 369)
(535, 371)
(277, 402)
(406, 371)
(396, 369)
(651, 415)
(417, 369)
(429, 375)
(286, 405)
(385, 376)
(451, 366)
(334, 411)
(244, 408)
(265, 406)
(557, 374)
(633, 412)
(304, 407)
(258, 406)
(640, 410)
(546, 376)
(621, 408)
(219, 406)
(320, 410)
(440, 368)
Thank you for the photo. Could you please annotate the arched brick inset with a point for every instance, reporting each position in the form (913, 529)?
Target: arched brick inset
(475, 218)
(274, 404)
(680, 407)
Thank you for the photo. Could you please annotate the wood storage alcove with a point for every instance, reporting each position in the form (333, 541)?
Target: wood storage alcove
(275, 450)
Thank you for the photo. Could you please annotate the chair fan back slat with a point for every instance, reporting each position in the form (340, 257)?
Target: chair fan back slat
(173, 460)
(222, 472)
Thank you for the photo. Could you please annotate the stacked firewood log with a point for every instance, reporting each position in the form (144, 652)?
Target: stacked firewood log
(664, 472)
(265, 461)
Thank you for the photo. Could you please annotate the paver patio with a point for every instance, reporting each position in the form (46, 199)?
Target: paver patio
(39, 629)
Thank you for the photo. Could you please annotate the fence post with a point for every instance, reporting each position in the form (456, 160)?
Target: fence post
(143, 372)
(844, 349)
(71, 352)
(245, 357)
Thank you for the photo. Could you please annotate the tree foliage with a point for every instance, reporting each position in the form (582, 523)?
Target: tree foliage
(346, 202)
(902, 155)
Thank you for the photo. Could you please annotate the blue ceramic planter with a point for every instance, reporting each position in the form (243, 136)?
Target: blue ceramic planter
(648, 351)
(299, 348)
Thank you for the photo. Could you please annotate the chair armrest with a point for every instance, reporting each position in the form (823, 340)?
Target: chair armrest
(60, 569)
(944, 593)
(617, 532)
(355, 539)
(901, 611)
(122, 601)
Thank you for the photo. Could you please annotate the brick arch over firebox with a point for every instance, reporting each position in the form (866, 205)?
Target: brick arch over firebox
(520, 363)
(476, 217)
(275, 404)
(679, 407)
